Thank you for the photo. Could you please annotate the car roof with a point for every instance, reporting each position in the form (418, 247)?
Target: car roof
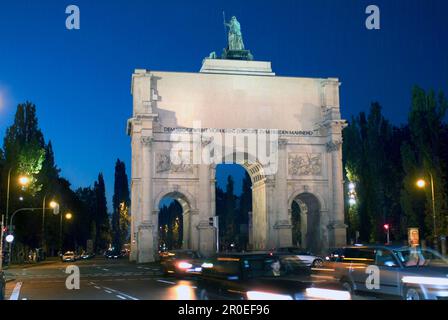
(370, 245)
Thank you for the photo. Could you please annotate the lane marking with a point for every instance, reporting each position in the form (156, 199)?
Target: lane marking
(108, 291)
(121, 297)
(121, 293)
(16, 292)
(104, 269)
(164, 281)
(96, 287)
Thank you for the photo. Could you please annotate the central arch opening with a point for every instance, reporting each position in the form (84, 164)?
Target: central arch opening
(233, 206)
(240, 193)
(173, 222)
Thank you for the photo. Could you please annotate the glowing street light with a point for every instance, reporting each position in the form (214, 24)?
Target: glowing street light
(421, 183)
(68, 216)
(24, 180)
(53, 204)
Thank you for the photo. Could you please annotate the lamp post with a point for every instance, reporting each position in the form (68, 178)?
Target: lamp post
(23, 181)
(421, 183)
(53, 206)
(68, 216)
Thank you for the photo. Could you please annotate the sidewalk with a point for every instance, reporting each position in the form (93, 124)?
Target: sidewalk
(31, 264)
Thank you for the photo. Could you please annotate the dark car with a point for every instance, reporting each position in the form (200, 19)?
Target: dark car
(112, 254)
(411, 273)
(2, 285)
(181, 262)
(256, 276)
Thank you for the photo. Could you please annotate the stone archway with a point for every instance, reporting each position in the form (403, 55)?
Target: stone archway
(186, 214)
(310, 221)
(258, 221)
(223, 110)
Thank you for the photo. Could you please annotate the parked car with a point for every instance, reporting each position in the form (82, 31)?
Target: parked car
(69, 256)
(307, 257)
(181, 262)
(2, 285)
(255, 276)
(407, 272)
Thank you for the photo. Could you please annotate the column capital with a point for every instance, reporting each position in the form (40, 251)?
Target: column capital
(146, 141)
(334, 145)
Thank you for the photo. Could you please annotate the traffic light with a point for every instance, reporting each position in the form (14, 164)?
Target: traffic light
(213, 221)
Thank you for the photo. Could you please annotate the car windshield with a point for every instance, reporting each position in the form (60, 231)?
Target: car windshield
(411, 257)
(282, 266)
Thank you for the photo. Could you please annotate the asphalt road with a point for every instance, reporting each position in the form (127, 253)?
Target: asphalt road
(100, 279)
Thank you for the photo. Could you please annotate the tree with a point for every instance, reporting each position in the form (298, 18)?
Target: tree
(373, 164)
(101, 217)
(421, 155)
(230, 212)
(120, 221)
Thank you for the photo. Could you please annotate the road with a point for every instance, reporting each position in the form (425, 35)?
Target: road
(100, 279)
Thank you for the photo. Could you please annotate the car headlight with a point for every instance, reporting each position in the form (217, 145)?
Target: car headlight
(184, 265)
(318, 293)
(261, 295)
(434, 281)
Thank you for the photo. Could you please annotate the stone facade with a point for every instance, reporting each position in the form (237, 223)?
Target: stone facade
(223, 96)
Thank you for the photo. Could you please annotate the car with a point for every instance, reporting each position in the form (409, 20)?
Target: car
(85, 255)
(2, 285)
(181, 263)
(112, 254)
(410, 273)
(69, 256)
(307, 257)
(263, 276)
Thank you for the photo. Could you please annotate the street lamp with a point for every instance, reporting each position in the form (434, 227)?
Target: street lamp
(421, 183)
(53, 205)
(23, 181)
(68, 216)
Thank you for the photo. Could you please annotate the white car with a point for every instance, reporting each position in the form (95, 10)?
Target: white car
(309, 259)
(69, 256)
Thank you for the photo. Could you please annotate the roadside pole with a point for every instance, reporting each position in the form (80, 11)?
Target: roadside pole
(216, 225)
(1, 242)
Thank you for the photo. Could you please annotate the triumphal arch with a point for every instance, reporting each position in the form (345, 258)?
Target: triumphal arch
(285, 131)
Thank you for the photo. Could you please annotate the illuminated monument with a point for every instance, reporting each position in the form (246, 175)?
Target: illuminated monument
(234, 98)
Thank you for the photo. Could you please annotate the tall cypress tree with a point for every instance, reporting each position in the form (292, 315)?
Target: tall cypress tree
(102, 218)
(120, 205)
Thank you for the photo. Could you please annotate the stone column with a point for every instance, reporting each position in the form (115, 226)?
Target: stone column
(206, 232)
(283, 223)
(337, 224)
(147, 232)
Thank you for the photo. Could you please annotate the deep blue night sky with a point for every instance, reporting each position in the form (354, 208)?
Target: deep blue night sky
(80, 80)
